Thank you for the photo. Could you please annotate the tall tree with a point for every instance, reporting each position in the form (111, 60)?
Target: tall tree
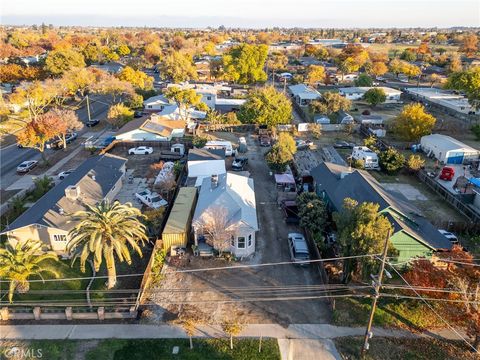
(59, 61)
(266, 106)
(67, 121)
(36, 133)
(20, 262)
(375, 96)
(315, 74)
(119, 114)
(378, 68)
(184, 98)
(413, 122)
(312, 212)
(469, 45)
(36, 97)
(361, 230)
(106, 231)
(137, 78)
(469, 82)
(330, 103)
(244, 63)
(177, 67)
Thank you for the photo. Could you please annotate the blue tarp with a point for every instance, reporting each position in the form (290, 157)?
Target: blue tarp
(475, 181)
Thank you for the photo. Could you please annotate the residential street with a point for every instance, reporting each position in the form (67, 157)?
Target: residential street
(11, 156)
(243, 283)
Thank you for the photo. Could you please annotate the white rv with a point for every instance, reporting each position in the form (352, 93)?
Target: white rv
(227, 145)
(369, 157)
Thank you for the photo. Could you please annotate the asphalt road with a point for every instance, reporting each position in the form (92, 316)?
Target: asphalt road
(11, 156)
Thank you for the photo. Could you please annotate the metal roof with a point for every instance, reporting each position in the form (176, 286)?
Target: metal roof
(178, 220)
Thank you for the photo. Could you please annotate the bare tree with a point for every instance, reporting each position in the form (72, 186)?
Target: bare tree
(216, 229)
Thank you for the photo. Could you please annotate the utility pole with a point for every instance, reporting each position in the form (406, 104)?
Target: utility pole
(378, 285)
(88, 108)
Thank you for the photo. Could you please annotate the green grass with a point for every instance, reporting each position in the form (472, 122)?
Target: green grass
(403, 349)
(212, 349)
(389, 313)
(62, 288)
(41, 349)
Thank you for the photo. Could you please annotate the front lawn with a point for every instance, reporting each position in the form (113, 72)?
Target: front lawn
(161, 349)
(410, 314)
(403, 349)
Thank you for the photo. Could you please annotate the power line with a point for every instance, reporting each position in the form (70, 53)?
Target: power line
(235, 267)
(458, 262)
(433, 310)
(430, 299)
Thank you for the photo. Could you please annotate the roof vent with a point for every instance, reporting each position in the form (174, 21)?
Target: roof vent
(61, 211)
(214, 181)
(72, 192)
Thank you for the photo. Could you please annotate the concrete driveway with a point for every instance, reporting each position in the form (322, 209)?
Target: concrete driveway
(246, 293)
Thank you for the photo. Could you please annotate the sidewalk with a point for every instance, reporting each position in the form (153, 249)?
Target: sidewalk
(133, 331)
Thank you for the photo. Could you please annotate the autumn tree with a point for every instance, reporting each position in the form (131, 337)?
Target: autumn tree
(232, 328)
(469, 45)
(330, 103)
(110, 85)
(137, 78)
(375, 96)
(177, 67)
(59, 61)
(455, 64)
(67, 121)
(119, 114)
(79, 80)
(266, 106)
(184, 98)
(244, 63)
(361, 230)
(152, 52)
(275, 62)
(216, 228)
(423, 50)
(315, 74)
(413, 122)
(378, 68)
(469, 82)
(415, 163)
(37, 132)
(35, 96)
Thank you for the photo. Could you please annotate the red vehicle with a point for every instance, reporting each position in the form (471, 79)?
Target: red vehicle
(447, 173)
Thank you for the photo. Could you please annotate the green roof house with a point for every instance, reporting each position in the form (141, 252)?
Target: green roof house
(413, 235)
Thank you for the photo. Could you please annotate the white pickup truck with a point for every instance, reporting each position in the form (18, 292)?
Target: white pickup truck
(151, 199)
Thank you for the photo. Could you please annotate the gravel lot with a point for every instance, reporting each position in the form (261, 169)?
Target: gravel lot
(205, 289)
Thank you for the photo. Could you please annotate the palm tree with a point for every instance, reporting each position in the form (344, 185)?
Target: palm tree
(104, 231)
(19, 263)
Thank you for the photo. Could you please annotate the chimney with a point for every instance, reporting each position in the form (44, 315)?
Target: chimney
(214, 181)
(72, 192)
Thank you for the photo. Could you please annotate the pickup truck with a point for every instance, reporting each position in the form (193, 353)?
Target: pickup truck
(290, 211)
(151, 199)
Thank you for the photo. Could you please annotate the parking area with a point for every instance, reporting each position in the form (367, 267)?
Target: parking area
(248, 294)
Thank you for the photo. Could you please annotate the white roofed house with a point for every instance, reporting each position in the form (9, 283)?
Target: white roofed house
(225, 217)
(357, 93)
(303, 94)
(156, 103)
(202, 163)
(447, 149)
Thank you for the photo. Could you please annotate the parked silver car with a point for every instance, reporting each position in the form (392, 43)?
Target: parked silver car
(298, 249)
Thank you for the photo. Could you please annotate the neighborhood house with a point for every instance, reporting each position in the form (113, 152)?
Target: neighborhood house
(49, 219)
(225, 217)
(204, 163)
(155, 128)
(303, 94)
(447, 149)
(357, 93)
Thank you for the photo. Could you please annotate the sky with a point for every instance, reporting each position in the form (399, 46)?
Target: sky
(243, 13)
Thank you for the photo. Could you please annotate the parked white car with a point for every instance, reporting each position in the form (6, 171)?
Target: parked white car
(140, 150)
(64, 174)
(450, 236)
(151, 199)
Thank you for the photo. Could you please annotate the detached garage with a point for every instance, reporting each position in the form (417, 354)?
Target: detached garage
(447, 149)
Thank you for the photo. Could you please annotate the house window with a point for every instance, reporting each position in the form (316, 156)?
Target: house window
(149, 106)
(241, 242)
(232, 241)
(60, 238)
(209, 98)
(249, 240)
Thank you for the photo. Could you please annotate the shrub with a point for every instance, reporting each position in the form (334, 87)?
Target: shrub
(391, 161)
(415, 163)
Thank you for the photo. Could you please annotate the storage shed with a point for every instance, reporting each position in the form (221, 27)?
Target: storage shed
(177, 230)
(447, 149)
